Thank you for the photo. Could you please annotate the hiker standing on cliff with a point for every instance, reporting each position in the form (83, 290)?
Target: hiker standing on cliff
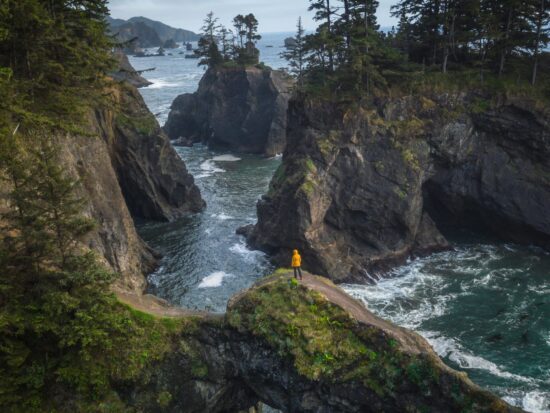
(297, 265)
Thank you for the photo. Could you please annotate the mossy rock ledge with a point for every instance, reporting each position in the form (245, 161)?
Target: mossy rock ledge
(303, 347)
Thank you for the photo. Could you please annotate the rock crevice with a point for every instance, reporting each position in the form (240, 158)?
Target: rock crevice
(361, 190)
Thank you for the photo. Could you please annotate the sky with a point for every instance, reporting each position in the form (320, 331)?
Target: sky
(273, 15)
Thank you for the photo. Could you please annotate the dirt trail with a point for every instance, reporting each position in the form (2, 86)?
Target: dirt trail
(155, 306)
(161, 308)
(412, 342)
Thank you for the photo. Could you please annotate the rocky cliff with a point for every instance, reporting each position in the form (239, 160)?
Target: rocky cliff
(362, 189)
(126, 72)
(304, 347)
(240, 108)
(128, 169)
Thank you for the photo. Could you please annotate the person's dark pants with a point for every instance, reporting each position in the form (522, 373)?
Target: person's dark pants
(297, 273)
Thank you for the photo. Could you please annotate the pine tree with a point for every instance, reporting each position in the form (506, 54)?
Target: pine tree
(207, 47)
(56, 311)
(58, 53)
(324, 13)
(240, 30)
(296, 54)
(226, 41)
(539, 20)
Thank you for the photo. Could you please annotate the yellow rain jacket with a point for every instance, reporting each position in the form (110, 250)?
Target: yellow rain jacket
(296, 259)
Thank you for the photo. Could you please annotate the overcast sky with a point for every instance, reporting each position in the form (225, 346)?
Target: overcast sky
(273, 15)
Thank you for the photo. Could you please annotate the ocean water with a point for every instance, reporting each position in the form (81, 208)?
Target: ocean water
(484, 307)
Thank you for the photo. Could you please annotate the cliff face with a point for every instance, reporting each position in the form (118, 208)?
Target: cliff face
(240, 108)
(128, 169)
(126, 73)
(364, 189)
(304, 347)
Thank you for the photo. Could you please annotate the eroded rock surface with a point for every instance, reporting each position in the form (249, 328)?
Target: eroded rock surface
(128, 170)
(240, 108)
(361, 190)
(305, 347)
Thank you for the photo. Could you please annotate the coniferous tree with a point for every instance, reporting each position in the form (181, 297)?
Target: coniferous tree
(56, 310)
(539, 20)
(226, 42)
(57, 52)
(324, 13)
(207, 47)
(240, 30)
(296, 54)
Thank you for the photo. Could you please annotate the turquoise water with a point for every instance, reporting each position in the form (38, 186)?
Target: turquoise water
(484, 307)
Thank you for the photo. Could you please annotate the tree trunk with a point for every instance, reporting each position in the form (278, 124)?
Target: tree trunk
(366, 25)
(446, 36)
(329, 28)
(504, 50)
(537, 42)
(347, 25)
(435, 30)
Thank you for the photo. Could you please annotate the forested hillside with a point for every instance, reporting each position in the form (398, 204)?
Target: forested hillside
(64, 338)
(479, 43)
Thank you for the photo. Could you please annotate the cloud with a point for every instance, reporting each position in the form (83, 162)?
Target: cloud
(273, 15)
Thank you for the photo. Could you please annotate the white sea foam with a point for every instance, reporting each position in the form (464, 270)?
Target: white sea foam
(226, 158)
(214, 280)
(247, 254)
(162, 84)
(222, 216)
(396, 298)
(448, 347)
(209, 168)
(536, 402)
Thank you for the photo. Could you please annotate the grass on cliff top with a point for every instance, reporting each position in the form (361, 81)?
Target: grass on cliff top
(322, 338)
(327, 344)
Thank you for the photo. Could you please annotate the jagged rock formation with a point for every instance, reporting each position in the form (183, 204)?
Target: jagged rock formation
(128, 169)
(240, 108)
(305, 347)
(126, 73)
(153, 178)
(364, 189)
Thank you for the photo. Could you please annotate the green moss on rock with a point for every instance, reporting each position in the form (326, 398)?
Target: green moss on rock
(327, 344)
(144, 125)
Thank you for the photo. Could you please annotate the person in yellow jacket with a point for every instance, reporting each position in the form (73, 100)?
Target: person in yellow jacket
(297, 265)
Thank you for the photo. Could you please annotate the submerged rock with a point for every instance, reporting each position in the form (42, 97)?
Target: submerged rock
(361, 190)
(303, 347)
(240, 108)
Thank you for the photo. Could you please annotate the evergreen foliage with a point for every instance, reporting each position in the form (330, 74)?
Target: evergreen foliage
(220, 46)
(295, 53)
(348, 57)
(54, 55)
(64, 338)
